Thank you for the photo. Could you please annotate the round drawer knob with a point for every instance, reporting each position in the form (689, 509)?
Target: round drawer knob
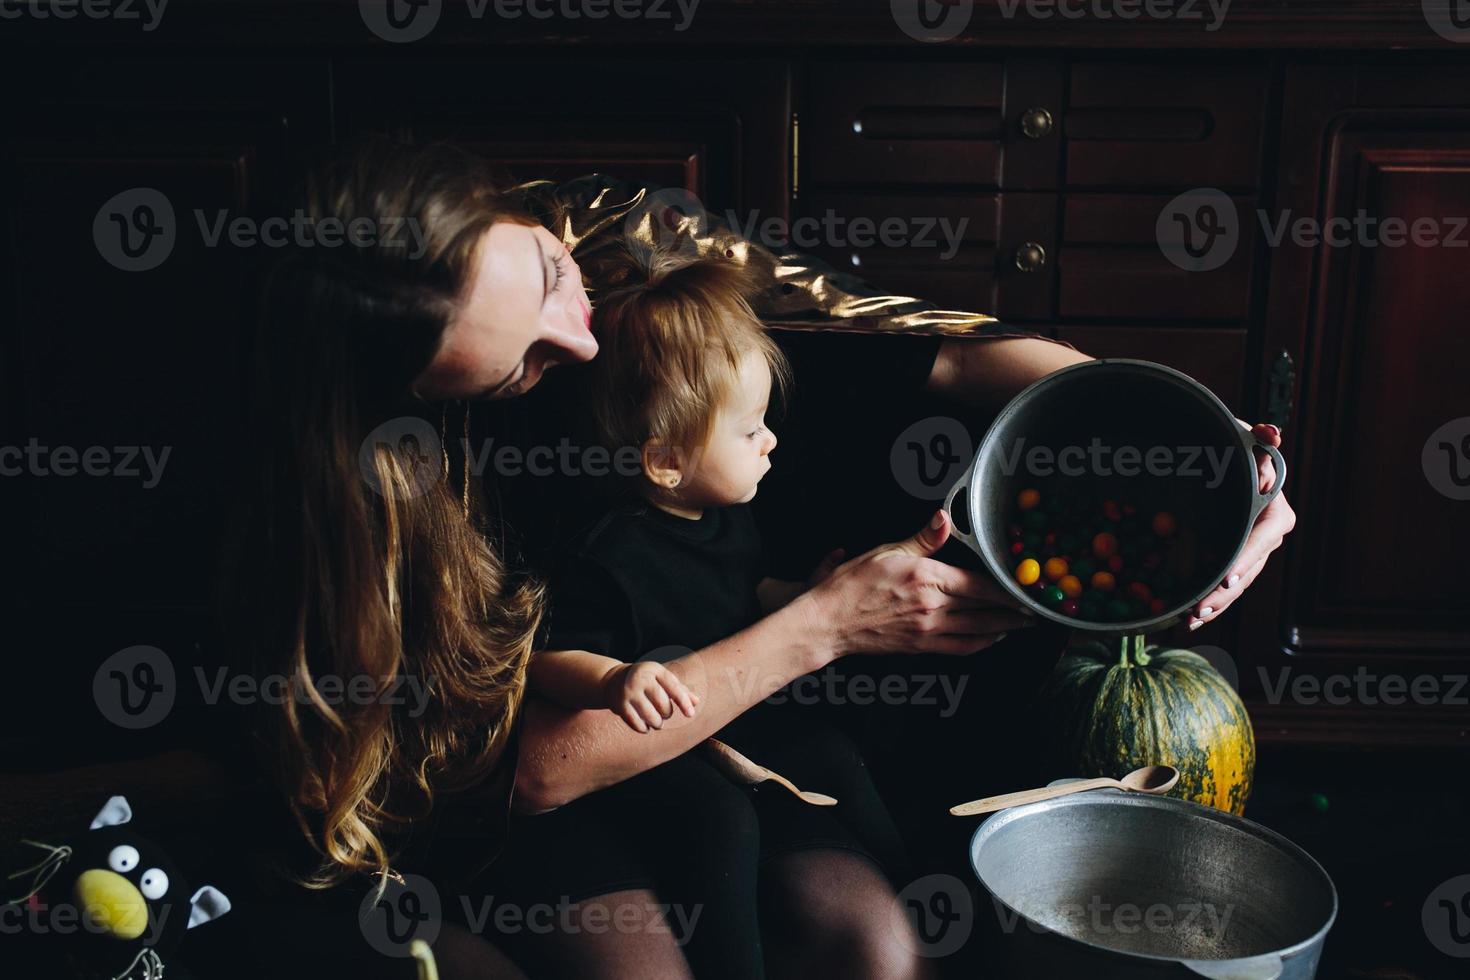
(1030, 257)
(1036, 123)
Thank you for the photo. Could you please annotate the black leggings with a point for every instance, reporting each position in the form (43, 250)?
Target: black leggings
(686, 833)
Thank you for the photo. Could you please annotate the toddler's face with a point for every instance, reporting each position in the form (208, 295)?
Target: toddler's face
(737, 454)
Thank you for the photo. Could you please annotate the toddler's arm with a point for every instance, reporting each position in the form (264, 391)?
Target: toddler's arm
(644, 694)
(774, 593)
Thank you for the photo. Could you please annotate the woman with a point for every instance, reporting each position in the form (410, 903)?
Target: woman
(349, 563)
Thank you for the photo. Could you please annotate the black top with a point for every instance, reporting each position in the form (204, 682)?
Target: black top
(641, 581)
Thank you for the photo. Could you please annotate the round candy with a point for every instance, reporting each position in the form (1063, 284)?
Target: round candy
(1028, 571)
(1083, 568)
(1033, 520)
(1104, 544)
(1033, 539)
(1054, 569)
(1164, 524)
(1115, 563)
(1157, 607)
(1069, 607)
(1102, 581)
(1017, 547)
(1054, 595)
(1118, 609)
(1111, 510)
(1140, 591)
(1070, 585)
(1028, 499)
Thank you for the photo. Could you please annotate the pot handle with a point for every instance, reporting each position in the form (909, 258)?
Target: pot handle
(1267, 967)
(1278, 461)
(968, 538)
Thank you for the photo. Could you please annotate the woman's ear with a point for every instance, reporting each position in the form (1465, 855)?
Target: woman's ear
(663, 466)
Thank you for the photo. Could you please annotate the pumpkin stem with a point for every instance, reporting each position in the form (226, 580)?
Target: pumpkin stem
(1131, 650)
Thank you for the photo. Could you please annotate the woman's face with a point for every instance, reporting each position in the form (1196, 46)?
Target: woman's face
(526, 311)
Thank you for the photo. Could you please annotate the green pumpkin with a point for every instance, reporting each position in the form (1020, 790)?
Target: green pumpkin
(1110, 711)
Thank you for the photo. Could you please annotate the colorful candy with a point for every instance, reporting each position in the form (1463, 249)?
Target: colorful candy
(1028, 571)
(1103, 561)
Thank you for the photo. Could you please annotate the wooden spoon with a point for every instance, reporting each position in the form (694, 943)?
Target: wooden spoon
(743, 769)
(1154, 780)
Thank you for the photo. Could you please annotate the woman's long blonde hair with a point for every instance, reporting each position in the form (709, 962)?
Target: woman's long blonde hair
(350, 560)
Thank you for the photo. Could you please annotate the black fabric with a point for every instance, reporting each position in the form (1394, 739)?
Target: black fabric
(642, 580)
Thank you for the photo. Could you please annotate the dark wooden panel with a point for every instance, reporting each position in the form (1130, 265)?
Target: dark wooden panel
(125, 363)
(1386, 369)
(956, 250)
(726, 138)
(1170, 125)
(854, 128)
(1112, 265)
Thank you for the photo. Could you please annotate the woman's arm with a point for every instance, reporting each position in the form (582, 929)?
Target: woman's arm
(894, 597)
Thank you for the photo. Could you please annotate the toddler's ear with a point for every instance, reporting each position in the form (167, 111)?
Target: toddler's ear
(663, 465)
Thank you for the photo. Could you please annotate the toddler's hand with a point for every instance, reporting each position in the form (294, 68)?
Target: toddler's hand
(825, 568)
(645, 694)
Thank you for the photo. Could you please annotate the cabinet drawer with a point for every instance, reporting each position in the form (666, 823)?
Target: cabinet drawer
(904, 122)
(1215, 357)
(956, 251)
(1164, 126)
(1112, 265)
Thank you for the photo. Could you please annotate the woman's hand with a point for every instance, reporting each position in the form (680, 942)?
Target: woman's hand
(645, 695)
(897, 598)
(1272, 526)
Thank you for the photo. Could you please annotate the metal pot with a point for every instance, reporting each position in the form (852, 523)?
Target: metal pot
(1117, 885)
(1185, 453)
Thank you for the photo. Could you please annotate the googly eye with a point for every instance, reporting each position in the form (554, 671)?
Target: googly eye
(123, 858)
(154, 884)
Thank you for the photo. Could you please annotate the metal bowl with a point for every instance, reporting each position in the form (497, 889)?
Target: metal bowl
(1113, 884)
